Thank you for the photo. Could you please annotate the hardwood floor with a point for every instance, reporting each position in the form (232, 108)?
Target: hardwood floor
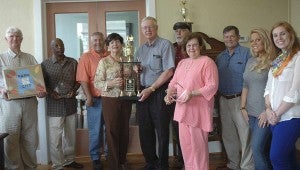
(136, 162)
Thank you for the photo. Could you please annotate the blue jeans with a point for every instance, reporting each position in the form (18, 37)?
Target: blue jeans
(260, 144)
(95, 125)
(283, 150)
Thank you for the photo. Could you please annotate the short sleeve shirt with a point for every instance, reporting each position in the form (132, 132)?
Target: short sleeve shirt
(60, 77)
(231, 69)
(86, 70)
(9, 59)
(155, 58)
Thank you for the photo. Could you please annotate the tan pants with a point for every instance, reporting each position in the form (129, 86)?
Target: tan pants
(236, 135)
(18, 118)
(62, 140)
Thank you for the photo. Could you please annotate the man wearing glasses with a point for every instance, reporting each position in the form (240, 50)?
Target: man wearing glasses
(157, 63)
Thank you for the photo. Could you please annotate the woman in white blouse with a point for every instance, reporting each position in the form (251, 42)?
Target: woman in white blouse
(282, 97)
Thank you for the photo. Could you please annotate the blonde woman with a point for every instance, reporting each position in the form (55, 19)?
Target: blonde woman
(252, 100)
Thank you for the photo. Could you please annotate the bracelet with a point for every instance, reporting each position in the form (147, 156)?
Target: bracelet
(193, 93)
(243, 108)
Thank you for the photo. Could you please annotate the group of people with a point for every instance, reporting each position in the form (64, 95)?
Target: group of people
(258, 90)
(259, 101)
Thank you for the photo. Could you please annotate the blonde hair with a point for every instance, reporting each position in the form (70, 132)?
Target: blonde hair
(268, 54)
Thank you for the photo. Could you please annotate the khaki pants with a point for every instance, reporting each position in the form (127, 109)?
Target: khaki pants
(18, 118)
(62, 140)
(236, 135)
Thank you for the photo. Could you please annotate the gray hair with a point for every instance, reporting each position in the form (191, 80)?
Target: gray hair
(150, 19)
(13, 30)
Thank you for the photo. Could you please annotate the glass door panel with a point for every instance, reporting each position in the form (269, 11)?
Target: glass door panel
(123, 23)
(72, 28)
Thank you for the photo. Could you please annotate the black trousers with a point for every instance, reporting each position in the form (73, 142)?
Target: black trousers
(153, 116)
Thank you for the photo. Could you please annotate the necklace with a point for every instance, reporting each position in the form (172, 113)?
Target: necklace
(115, 59)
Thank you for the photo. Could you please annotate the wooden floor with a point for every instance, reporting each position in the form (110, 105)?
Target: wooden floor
(136, 162)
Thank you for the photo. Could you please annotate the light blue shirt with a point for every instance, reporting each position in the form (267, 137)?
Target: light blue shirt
(155, 58)
(231, 69)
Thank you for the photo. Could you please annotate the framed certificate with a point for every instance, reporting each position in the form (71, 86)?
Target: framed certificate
(22, 82)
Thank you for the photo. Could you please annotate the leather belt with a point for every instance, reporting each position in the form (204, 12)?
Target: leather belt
(231, 96)
(24, 98)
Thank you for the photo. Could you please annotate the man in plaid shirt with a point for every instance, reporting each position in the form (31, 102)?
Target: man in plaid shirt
(60, 80)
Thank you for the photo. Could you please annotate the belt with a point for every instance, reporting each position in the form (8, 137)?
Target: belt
(97, 96)
(231, 96)
(24, 98)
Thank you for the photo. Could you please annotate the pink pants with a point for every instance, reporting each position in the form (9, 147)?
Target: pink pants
(194, 145)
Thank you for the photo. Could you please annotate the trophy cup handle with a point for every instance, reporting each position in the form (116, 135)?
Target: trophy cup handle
(122, 76)
(138, 80)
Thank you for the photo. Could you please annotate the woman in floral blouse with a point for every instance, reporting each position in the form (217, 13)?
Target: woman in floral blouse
(116, 112)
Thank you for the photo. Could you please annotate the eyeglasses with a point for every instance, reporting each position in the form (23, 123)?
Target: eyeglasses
(148, 27)
(192, 45)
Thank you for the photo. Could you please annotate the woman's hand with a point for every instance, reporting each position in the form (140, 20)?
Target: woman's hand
(263, 120)
(116, 82)
(185, 96)
(273, 119)
(245, 115)
(170, 97)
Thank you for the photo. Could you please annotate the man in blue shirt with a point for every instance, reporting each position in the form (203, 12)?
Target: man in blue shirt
(235, 129)
(157, 64)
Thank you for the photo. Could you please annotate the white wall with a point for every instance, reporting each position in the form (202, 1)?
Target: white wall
(18, 13)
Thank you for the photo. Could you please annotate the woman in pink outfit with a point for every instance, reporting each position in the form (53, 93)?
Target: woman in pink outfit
(193, 87)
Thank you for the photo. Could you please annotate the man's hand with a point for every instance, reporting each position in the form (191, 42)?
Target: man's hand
(5, 96)
(41, 94)
(55, 95)
(89, 101)
(144, 94)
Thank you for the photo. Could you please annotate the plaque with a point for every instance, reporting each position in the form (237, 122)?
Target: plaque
(22, 82)
(131, 79)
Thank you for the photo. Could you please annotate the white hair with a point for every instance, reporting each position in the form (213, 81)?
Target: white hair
(13, 30)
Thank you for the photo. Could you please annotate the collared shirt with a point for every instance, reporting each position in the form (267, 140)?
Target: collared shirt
(179, 54)
(86, 69)
(107, 70)
(60, 77)
(9, 59)
(231, 69)
(155, 58)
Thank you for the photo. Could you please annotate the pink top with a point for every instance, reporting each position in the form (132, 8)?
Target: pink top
(86, 69)
(192, 74)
